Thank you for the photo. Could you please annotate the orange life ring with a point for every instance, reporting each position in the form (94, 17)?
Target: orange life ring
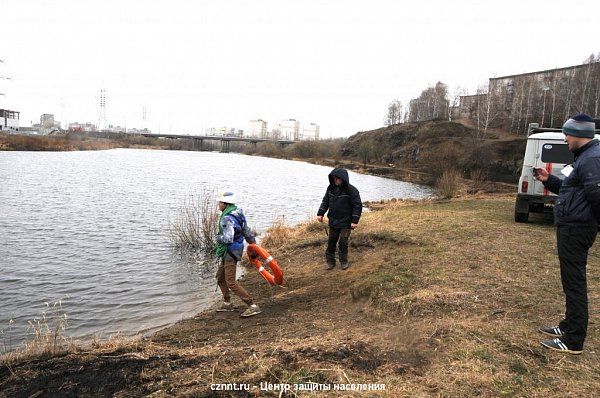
(255, 254)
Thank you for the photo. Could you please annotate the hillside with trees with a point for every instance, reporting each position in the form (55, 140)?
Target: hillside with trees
(432, 147)
(478, 136)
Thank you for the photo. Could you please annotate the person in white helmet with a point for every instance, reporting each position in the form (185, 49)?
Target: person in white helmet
(233, 229)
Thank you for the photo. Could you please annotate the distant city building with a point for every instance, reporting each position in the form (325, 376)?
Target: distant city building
(47, 124)
(288, 129)
(258, 128)
(276, 133)
(224, 131)
(87, 127)
(9, 120)
(139, 131)
(115, 129)
(47, 120)
(311, 132)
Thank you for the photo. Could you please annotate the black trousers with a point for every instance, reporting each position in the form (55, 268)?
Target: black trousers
(337, 236)
(573, 244)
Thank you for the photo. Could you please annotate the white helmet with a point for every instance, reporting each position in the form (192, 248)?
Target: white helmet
(226, 197)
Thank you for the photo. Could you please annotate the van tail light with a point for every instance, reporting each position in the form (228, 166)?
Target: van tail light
(524, 186)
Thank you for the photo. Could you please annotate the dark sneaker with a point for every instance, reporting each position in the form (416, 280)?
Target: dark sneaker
(226, 307)
(330, 266)
(558, 345)
(553, 331)
(345, 265)
(251, 310)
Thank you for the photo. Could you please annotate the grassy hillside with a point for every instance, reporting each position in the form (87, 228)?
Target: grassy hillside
(431, 147)
(443, 298)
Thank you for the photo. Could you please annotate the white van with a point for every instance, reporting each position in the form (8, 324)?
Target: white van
(546, 148)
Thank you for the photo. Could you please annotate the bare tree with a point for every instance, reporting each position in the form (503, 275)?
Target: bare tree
(487, 110)
(366, 150)
(394, 113)
(455, 102)
(432, 104)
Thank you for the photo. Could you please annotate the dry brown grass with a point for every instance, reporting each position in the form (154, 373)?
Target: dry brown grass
(45, 336)
(13, 142)
(445, 302)
(277, 235)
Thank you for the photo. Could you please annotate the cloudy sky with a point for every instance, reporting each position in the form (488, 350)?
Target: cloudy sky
(199, 64)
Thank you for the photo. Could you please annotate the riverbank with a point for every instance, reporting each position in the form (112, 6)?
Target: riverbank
(79, 142)
(467, 186)
(326, 153)
(442, 298)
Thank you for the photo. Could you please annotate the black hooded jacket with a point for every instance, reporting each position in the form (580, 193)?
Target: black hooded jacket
(343, 202)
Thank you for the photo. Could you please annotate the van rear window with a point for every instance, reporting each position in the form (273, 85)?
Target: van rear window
(556, 153)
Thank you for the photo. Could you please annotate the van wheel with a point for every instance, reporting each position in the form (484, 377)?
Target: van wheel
(521, 217)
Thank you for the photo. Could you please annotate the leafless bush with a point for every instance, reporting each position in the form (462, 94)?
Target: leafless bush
(478, 175)
(195, 226)
(448, 184)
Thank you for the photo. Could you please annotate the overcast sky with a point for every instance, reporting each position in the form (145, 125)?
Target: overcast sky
(199, 64)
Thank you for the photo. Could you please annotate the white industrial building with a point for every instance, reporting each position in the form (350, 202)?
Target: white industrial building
(258, 128)
(9, 120)
(288, 129)
(311, 132)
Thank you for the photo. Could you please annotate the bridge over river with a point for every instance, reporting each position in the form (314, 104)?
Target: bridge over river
(225, 140)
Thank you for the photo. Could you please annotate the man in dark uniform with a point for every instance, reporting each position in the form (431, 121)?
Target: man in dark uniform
(344, 205)
(576, 215)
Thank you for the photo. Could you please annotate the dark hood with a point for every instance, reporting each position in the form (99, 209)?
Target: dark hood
(340, 173)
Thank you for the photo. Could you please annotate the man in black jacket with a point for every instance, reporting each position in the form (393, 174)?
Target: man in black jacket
(576, 214)
(344, 205)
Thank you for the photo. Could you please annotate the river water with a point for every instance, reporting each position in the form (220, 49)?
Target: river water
(89, 230)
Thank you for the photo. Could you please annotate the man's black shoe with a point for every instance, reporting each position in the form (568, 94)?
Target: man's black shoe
(558, 345)
(553, 331)
(330, 266)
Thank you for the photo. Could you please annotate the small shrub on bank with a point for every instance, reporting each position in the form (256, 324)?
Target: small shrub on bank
(195, 226)
(448, 184)
(452, 155)
(270, 149)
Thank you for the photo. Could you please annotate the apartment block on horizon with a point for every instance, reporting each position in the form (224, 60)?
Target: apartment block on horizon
(288, 129)
(258, 129)
(311, 132)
